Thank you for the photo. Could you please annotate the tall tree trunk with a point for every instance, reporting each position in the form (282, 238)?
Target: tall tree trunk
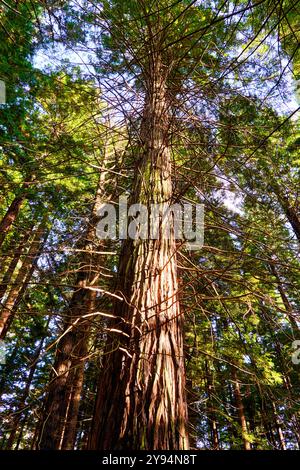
(278, 428)
(292, 394)
(54, 420)
(18, 250)
(23, 277)
(8, 275)
(288, 307)
(240, 409)
(21, 405)
(211, 415)
(267, 426)
(69, 436)
(293, 218)
(11, 214)
(291, 211)
(286, 374)
(250, 407)
(193, 413)
(34, 440)
(22, 426)
(75, 379)
(231, 427)
(141, 401)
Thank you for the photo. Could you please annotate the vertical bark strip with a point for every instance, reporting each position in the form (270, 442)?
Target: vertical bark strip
(141, 400)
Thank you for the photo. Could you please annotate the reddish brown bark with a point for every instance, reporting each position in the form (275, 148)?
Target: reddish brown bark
(12, 213)
(294, 219)
(141, 401)
(22, 279)
(17, 250)
(69, 352)
(289, 309)
(77, 378)
(291, 211)
(8, 274)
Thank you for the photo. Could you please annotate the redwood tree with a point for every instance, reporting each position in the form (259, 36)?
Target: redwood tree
(141, 402)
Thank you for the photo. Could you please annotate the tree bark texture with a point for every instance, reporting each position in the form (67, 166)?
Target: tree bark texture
(141, 401)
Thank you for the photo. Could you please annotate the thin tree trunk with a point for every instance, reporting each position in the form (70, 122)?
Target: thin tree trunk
(267, 427)
(11, 214)
(232, 429)
(289, 309)
(86, 412)
(22, 425)
(291, 212)
(8, 275)
(250, 407)
(54, 417)
(34, 441)
(141, 401)
(292, 395)
(75, 380)
(241, 410)
(20, 284)
(19, 251)
(193, 413)
(69, 437)
(278, 428)
(22, 402)
(211, 415)
(293, 218)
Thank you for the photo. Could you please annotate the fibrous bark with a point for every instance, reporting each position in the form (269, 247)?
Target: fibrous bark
(141, 400)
